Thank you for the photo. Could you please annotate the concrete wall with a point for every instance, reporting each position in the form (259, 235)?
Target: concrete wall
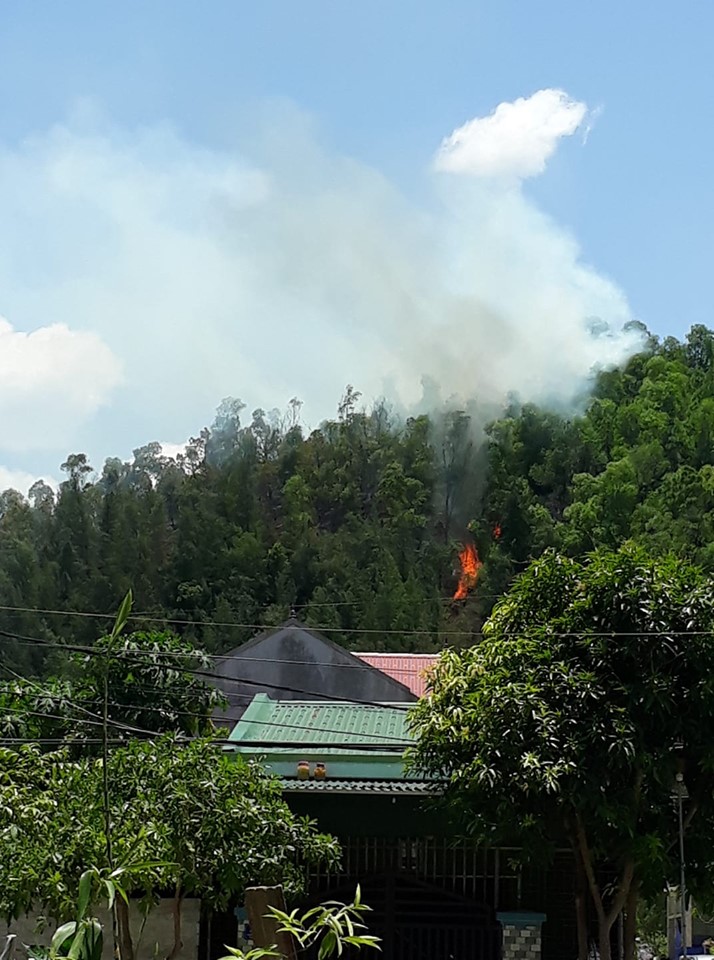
(293, 663)
(156, 940)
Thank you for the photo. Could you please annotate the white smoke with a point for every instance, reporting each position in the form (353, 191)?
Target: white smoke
(281, 270)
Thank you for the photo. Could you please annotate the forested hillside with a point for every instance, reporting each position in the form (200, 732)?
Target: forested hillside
(357, 526)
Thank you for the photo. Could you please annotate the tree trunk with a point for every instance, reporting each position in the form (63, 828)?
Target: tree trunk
(126, 945)
(142, 928)
(631, 920)
(581, 918)
(604, 941)
(581, 902)
(606, 918)
(176, 905)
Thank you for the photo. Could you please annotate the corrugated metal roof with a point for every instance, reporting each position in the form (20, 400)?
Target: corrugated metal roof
(322, 722)
(407, 668)
(354, 740)
(389, 788)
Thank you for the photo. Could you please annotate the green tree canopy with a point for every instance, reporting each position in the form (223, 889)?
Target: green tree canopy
(562, 724)
(259, 516)
(154, 684)
(186, 820)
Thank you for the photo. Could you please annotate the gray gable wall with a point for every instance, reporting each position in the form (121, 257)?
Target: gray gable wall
(293, 662)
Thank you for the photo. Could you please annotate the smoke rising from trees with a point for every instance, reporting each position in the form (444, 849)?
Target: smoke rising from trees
(277, 269)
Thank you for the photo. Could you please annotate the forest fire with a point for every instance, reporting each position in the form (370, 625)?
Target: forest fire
(470, 566)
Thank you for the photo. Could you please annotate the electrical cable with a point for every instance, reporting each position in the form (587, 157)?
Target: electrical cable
(96, 718)
(136, 656)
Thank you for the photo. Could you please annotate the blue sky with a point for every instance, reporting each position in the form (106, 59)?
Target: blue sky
(235, 176)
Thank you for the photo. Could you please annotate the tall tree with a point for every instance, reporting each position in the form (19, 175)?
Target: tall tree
(185, 820)
(563, 724)
(259, 517)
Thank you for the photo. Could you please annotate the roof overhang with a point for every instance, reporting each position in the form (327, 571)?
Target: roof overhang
(376, 788)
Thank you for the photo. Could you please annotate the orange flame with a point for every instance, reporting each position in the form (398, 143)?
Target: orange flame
(470, 566)
(497, 532)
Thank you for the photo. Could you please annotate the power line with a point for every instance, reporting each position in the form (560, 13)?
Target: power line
(264, 685)
(236, 744)
(94, 723)
(311, 694)
(137, 657)
(395, 741)
(352, 630)
(233, 624)
(98, 720)
(315, 694)
(146, 615)
(57, 741)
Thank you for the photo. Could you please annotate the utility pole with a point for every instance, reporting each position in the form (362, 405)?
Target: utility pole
(682, 877)
(106, 797)
(681, 788)
(105, 763)
(119, 931)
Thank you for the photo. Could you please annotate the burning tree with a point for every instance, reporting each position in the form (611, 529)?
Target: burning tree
(470, 563)
(470, 566)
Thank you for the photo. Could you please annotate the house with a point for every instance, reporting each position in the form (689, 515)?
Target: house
(434, 893)
(292, 661)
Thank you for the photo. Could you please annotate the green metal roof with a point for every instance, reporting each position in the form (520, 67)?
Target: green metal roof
(353, 740)
(323, 722)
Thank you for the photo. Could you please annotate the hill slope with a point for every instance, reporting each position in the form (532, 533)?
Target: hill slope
(357, 526)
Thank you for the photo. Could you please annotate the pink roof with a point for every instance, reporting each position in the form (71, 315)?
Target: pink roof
(408, 668)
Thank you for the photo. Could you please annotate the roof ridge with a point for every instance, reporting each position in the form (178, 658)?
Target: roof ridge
(292, 623)
(388, 653)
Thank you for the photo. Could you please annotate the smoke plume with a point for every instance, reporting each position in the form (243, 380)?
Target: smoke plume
(279, 269)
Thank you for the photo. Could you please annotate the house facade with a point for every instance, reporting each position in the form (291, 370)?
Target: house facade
(434, 893)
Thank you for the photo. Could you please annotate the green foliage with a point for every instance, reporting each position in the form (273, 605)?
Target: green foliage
(255, 953)
(635, 465)
(356, 525)
(561, 724)
(83, 937)
(185, 819)
(151, 682)
(330, 927)
(652, 924)
(252, 521)
(78, 940)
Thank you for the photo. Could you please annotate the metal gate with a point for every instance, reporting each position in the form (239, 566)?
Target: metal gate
(461, 866)
(418, 921)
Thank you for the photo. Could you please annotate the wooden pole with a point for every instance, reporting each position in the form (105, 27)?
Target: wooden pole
(263, 927)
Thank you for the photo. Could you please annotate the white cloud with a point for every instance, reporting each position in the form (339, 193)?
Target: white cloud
(50, 379)
(516, 140)
(21, 480)
(282, 271)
